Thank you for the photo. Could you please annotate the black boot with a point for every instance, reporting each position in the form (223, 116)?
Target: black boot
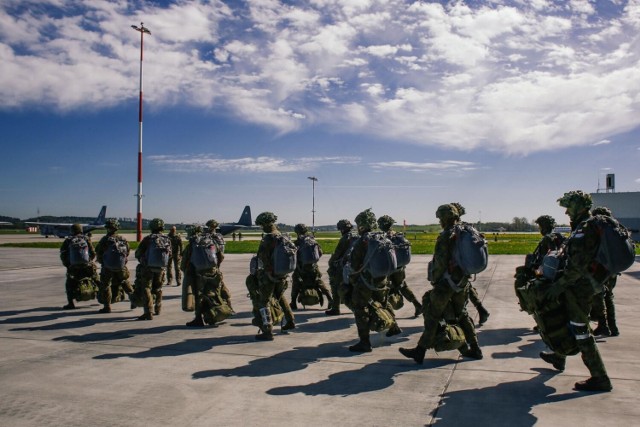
(197, 322)
(265, 335)
(472, 351)
(483, 314)
(332, 312)
(557, 361)
(602, 329)
(418, 307)
(105, 309)
(146, 316)
(364, 345)
(416, 353)
(594, 384)
(394, 330)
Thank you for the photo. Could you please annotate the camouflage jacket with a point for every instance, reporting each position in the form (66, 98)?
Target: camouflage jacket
(103, 244)
(265, 250)
(443, 262)
(176, 245)
(549, 242)
(336, 260)
(357, 259)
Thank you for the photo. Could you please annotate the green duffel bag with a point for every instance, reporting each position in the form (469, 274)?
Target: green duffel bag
(380, 318)
(309, 297)
(86, 290)
(449, 337)
(215, 309)
(277, 314)
(396, 300)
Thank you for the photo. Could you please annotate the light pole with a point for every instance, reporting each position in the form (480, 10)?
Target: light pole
(313, 205)
(142, 30)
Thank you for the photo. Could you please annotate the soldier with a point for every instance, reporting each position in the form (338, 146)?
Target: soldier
(112, 252)
(604, 309)
(576, 286)
(176, 257)
(212, 230)
(336, 263)
(270, 284)
(450, 290)
(397, 280)
(153, 256)
(189, 277)
(365, 288)
(483, 314)
(306, 275)
(77, 254)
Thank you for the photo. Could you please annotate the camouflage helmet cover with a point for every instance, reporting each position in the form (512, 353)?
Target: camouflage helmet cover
(344, 224)
(156, 224)
(76, 229)
(459, 207)
(448, 211)
(366, 219)
(112, 224)
(266, 218)
(602, 210)
(385, 222)
(300, 229)
(545, 221)
(577, 198)
(212, 224)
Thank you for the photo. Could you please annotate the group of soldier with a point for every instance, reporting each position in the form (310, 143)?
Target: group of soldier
(445, 303)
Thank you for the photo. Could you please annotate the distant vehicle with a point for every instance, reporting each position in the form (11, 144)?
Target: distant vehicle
(63, 230)
(243, 222)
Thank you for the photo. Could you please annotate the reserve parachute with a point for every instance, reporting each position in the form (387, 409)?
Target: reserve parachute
(115, 254)
(284, 255)
(204, 252)
(402, 247)
(308, 251)
(470, 250)
(158, 252)
(78, 250)
(616, 251)
(380, 260)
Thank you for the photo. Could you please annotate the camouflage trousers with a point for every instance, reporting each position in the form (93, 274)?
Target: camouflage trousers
(335, 280)
(111, 282)
(174, 265)
(207, 283)
(398, 283)
(148, 288)
(361, 296)
(269, 286)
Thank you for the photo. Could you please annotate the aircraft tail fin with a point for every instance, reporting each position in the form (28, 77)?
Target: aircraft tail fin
(101, 216)
(245, 218)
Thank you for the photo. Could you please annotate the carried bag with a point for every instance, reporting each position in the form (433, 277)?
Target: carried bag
(309, 297)
(449, 337)
(215, 309)
(552, 264)
(284, 255)
(79, 250)
(86, 291)
(158, 252)
(380, 318)
(115, 254)
(308, 251)
(470, 250)
(396, 300)
(616, 251)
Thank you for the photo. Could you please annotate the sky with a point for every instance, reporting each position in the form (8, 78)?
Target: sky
(399, 106)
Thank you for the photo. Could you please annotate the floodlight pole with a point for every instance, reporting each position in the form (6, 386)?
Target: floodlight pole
(313, 205)
(142, 30)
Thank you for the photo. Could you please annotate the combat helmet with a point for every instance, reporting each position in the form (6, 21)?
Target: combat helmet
(577, 198)
(366, 220)
(460, 208)
(385, 222)
(156, 224)
(602, 210)
(344, 225)
(212, 224)
(447, 212)
(266, 218)
(301, 229)
(76, 229)
(546, 222)
(112, 224)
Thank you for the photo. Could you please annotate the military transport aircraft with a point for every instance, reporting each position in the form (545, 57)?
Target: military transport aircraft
(63, 230)
(243, 222)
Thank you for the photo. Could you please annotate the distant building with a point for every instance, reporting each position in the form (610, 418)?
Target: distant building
(625, 207)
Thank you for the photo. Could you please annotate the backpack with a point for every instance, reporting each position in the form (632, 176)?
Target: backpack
(215, 309)
(79, 251)
(115, 255)
(470, 249)
(204, 252)
(86, 290)
(402, 247)
(616, 251)
(309, 250)
(284, 255)
(380, 260)
(158, 252)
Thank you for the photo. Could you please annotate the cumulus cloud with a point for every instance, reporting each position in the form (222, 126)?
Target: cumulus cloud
(509, 76)
(602, 142)
(442, 166)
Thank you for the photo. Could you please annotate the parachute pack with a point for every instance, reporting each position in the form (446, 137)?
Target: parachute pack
(309, 297)
(616, 251)
(115, 254)
(308, 251)
(470, 250)
(380, 260)
(402, 248)
(380, 318)
(284, 255)
(79, 250)
(204, 252)
(158, 252)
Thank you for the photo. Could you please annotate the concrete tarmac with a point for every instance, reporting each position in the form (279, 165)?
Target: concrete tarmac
(81, 368)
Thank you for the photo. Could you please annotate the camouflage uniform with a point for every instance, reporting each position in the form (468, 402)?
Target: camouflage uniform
(306, 276)
(176, 257)
(578, 285)
(364, 288)
(148, 283)
(450, 291)
(397, 282)
(189, 272)
(112, 281)
(75, 273)
(269, 284)
(336, 264)
(604, 309)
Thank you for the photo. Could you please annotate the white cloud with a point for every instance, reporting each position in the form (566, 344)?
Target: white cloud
(443, 166)
(602, 142)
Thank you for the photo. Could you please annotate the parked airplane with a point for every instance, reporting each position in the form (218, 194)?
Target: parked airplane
(63, 230)
(243, 222)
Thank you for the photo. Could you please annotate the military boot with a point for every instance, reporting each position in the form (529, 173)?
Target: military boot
(594, 384)
(332, 312)
(613, 328)
(554, 359)
(289, 326)
(472, 351)
(417, 353)
(602, 329)
(266, 334)
(483, 314)
(146, 316)
(364, 345)
(105, 309)
(196, 322)
(70, 305)
(418, 308)
(293, 304)
(394, 330)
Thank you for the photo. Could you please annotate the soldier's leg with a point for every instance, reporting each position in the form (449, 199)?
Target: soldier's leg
(70, 286)
(296, 288)
(279, 293)
(458, 302)
(266, 289)
(106, 294)
(611, 312)
(169, 271)
(334, 305)
(406, 292)
(143, 289)
(177, 261)
(360, 303)
(599, 314)
(198, 291)
(483, 314)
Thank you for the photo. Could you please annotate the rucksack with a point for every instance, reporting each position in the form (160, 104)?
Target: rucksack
(309, 250)
(284, 255)
(204, 252)
(79, 251)
(115, 254)
(616, 251)
(470, 249)
(380, 260)
(158, 252)
(380, 318)
(402, 247)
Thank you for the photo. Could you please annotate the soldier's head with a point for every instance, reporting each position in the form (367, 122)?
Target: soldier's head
(267, 221)
(156, 225)
(76, 229)
(577, 203)
(602, 210)
(300, 229)
(448, 215)
(112, 225)
(366, 221)
(172, 230)
(212, 224)
(385, 222)
(459, 207)
(545, 224)
(344, 226)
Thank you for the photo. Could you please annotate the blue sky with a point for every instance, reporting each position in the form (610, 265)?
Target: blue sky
(395, 105)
